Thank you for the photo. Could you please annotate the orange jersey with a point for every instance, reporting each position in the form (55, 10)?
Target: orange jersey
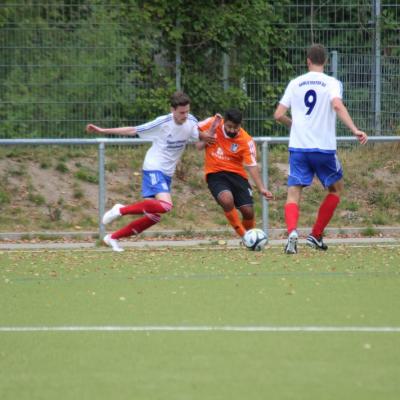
(228, 154)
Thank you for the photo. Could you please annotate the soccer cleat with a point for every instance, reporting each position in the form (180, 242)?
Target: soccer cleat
(313, 242)
(112, 214)
(113, 243)
(291, 245)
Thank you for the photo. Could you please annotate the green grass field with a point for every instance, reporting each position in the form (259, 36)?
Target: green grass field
(313, 310)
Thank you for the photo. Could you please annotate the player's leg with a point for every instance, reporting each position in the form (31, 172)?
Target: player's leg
(133, 228)
(248, 217)
(225, 200)
(243, 198)
(329, 172)
(156, 189)
(220, 188)
(292, 218)
(292, 207)
(300, 175)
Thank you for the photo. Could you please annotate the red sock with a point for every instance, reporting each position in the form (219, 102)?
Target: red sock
(325, 214)
(137, 226)
(151, 206)
(291, 216)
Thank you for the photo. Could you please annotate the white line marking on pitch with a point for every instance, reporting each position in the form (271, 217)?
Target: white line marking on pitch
(322, 329)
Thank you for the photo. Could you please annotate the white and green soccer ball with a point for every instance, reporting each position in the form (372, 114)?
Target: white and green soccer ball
(255, 239)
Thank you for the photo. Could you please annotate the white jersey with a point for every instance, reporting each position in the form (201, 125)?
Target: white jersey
(309, 97)
(169, 142)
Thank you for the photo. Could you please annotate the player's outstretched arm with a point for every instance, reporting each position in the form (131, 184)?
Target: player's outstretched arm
(123, 131)
(255, 175)
(344, 116)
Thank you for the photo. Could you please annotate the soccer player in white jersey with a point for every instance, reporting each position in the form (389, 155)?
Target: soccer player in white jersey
(170, 133)
(314, 100)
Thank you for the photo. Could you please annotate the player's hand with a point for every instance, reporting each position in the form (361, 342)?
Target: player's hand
(207, 137)
(93, 129)
(267, 194)
(361, 136)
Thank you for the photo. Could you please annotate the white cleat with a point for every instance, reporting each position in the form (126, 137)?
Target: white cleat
(113, 243)
(112, 214)
(291, 245)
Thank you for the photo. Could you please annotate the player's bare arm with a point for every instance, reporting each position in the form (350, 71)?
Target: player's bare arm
(281, 117)
(344, 116)
(208, 136)
(122, 131)
(255, 175)
(205, 137)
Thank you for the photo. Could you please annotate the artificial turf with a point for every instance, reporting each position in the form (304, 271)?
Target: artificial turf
(353, 287)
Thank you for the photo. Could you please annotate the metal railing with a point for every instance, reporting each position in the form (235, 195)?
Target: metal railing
(102, 142)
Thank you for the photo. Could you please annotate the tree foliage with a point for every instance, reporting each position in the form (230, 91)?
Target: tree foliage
(114, 62)
(67, 63)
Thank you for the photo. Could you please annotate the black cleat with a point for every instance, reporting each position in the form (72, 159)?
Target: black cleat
(313, 242)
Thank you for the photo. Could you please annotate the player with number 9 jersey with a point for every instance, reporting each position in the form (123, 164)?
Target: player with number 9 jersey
(315, 99)
(309, 97)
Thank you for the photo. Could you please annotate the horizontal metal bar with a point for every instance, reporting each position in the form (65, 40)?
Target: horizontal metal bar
(119, 141)
(72, 141)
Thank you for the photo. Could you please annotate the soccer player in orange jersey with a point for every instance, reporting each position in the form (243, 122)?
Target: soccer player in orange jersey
(226, 162)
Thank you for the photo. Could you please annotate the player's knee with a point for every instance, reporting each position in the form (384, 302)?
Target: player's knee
(226, 201)
(154, 217)
(336, 188)
(167, 206)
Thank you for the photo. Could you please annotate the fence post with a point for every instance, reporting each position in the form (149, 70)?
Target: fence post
(225, 70)
(377, 63)
(178, 61)
(102, 189)
(334, 63)
(265, 219)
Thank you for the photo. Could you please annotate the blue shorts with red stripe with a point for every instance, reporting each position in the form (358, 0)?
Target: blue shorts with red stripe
(303, 166)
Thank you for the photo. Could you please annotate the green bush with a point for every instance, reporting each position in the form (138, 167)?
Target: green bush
(84, 174)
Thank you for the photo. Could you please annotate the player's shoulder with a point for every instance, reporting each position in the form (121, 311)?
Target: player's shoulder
(155, 124)
(193, 119)
(205, 124)
(164, 119)
(245, 136)
(331, 79)
(336, 82)
(298, 79)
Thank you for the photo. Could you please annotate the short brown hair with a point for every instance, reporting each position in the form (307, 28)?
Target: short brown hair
(317, 54)
(179, 99)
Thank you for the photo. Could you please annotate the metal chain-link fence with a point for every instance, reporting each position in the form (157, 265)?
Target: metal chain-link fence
(67, 63)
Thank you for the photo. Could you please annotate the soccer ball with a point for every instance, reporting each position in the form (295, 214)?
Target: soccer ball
(255, 239)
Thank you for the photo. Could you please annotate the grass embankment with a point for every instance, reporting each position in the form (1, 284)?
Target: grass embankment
(55, 189)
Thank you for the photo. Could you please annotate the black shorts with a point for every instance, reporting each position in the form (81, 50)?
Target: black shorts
(228, 181)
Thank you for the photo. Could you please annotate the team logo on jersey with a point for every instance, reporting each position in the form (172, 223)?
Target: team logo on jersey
(234, 147)
(220, 152)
